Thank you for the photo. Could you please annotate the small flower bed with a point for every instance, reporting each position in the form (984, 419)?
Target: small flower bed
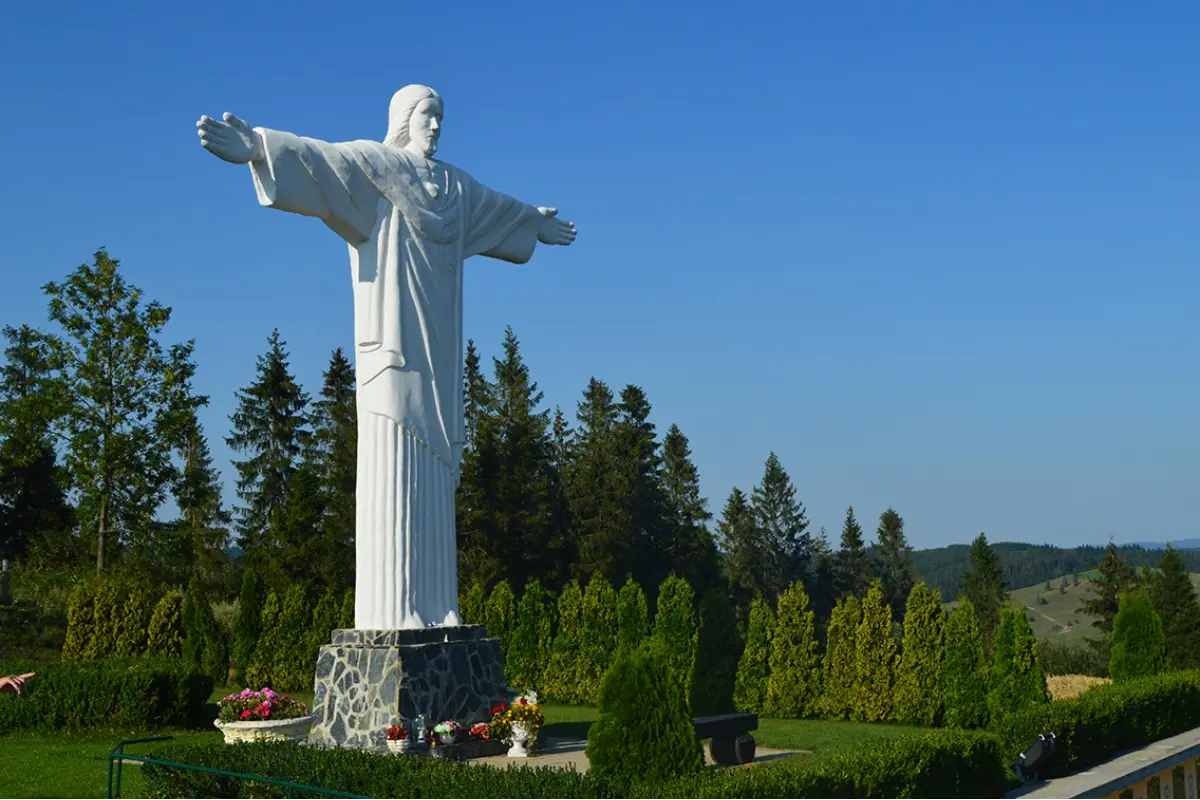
(523, 709)
(397, 733)
(260, 706)
(498, 726)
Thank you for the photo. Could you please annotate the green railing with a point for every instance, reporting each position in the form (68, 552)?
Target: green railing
(118, 756)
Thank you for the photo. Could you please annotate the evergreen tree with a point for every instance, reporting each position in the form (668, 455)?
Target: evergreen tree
(247, 624)
(334, 457)
(1174, 598)
(501, 616)
(34, 514)
(346, 615)
(81, 622)
(718, 649)
(784, 525)
(562, 677)
(296, 541)
(270, 428)
(599, 639)
(324, 622)
(203, 644)
(675, 627)
(119, 392)
(983, 585)
(134, 619)
(529, 653)
(822, 584)
(478, 560)
(918, 699)
(854, 570)
(964, 672)
(690, 550)
(641, 496)
(633, 616)
(897, 562)
(840, 667)
(794, 688)
(754, 667)
(602, 533)
(749, 557)
(260, 671)
(1016, 678)
(203, 517)
(164, 635)
(1116, 577)
(1139, 643)
(875, 657)
(472, 605)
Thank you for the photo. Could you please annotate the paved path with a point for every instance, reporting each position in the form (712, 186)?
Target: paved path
(568, 753)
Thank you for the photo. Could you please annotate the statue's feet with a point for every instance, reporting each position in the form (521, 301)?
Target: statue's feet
(451, 619)
(413, 620)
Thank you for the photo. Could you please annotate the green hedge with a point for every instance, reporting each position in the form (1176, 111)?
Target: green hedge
(1104, 721)
(941, 764)
(116, 694)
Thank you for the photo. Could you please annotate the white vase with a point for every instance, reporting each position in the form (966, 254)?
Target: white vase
(520, 738)
(295, 730)
(398, 745)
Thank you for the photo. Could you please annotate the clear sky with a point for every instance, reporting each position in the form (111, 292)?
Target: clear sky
(937, 255)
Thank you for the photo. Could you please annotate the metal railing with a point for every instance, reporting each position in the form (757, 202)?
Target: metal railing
(118, 756)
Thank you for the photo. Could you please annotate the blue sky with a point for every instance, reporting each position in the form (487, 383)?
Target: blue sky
(937, 255)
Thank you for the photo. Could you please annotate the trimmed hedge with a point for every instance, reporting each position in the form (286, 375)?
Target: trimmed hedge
(1104, 721)
(116, 694)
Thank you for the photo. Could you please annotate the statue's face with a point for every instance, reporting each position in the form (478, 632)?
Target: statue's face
(425, 126)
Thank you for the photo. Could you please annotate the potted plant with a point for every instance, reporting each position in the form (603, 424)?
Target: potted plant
(480, 731)
(398, 740)
(447, 732)
(524, 719)
(265, 714)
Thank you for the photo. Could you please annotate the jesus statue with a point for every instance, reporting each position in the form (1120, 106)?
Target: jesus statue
(410, 221)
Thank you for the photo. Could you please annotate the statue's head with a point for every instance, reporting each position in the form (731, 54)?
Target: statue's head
(415, 120)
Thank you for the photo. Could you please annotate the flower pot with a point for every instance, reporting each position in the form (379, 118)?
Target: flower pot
(520, 738)
(398, 745)
(446, 738)
(295, 730)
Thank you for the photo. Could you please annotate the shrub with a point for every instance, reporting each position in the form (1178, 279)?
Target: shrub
(1016, 678)
(599, 637)
(114, 694)
(794, 685)
(135, 618)
(324, 622)
(346, 618)
(839, 669)
(203, 643)
(1065, 658)
(164, 636)
(754, 667)
(645, 731)
(875, 658)
(1139, 643)
(259, 672)
(918, 694)
(561, 683)
(964, 670)
(718, 648)
(247, 624)
(633, 615)
(529, 651)
(675, 627)
(107, 604)
(501, 614)
(80, 620)
(472, 605)
(292, 663)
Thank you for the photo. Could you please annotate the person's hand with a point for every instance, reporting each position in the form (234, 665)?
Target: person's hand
(232, 140)
(15, 683)
(555, 230)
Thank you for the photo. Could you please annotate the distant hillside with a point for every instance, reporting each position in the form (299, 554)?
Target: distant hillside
(1182, 544)
(1029, 565)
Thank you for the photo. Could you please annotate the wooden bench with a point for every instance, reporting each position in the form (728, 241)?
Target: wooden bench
(731, 743)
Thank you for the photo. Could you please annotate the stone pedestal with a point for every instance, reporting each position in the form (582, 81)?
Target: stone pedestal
(368, 680)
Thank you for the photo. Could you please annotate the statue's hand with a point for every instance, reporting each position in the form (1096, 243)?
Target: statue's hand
(555, 230)
(231, 140)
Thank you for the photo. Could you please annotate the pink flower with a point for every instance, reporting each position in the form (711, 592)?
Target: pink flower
(246, 714)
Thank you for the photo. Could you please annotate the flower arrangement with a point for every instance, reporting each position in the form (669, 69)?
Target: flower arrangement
(397, 733)
(447, 731)
(260, 706)
(480, 731)
(523, 709)
(498, 724)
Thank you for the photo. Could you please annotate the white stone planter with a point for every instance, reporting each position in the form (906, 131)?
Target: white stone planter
(295, 730)
(398, 745)
(520, 738)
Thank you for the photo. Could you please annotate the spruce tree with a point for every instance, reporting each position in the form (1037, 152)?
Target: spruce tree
(983, 585)
(203, 517)
(839, 673)
(334, 455)
(270, 428)
(529, 653)
(562, 676)
(754, 667)
(501, 616)
(247, 624)
(641, 495)
(1016, 678)
(875, 657)
(718, 649)
(602, 533)
(1174, 598)
(675, 627)
(854, 570)
(782, 519)
(478, 558)
(295, 535)
(1116, 577)
(898, 572)
(964, 670)
(690, 550)
(918, 698)
(598, 641)
(633, 616)
(1139, 643)
(749, 557)
(794, 688)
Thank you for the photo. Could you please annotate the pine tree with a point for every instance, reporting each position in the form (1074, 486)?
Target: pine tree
(718, 649)
(690, 550)
(601, 531)
(1174, 598)
(247, 624)
(478, 562)
(203, 517)
(898, 572)
(295, 534)
(675, 627)
(633, 616)
(120, 393)
(1016, 678)
(1116, 577)
(334, 454)
(784, 525)
(1139, 643)
(270, 428)
(562, 677)
(854, 570)
(754, 667)
(529, 652)
(983, 585)
(749, 557)
(875, 657)
(839, 672)
(501, 616)
(918, 698)
(641, 496)
(598, 641)
(794, 688)
(964, 672)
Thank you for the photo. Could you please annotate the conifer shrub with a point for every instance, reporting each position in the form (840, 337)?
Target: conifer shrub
(964, 670)
(501, 615)
(754, 667)
(1016, 680)
(562, 684)
(260, 671)
(794, 686)
(675, 627)
(164, 636)
(918, 692)
(346, 617)
(633, 615)
(875, 658)
(529, 651)
(292, 663)
(135, 618)
(80, 620)
(107, 604)
(204, 645)
(718, 650)
(247, 624)
(839, 669)
(645, 731)
(472, 605)
(1139, 647)
(324, 623)
(599, 639)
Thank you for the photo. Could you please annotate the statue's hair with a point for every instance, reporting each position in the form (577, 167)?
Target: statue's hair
(400, 111)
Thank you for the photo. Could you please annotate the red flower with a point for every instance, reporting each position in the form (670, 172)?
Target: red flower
(246, 714)
(523, 701)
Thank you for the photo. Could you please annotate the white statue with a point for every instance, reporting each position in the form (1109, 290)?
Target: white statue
(410, 222)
